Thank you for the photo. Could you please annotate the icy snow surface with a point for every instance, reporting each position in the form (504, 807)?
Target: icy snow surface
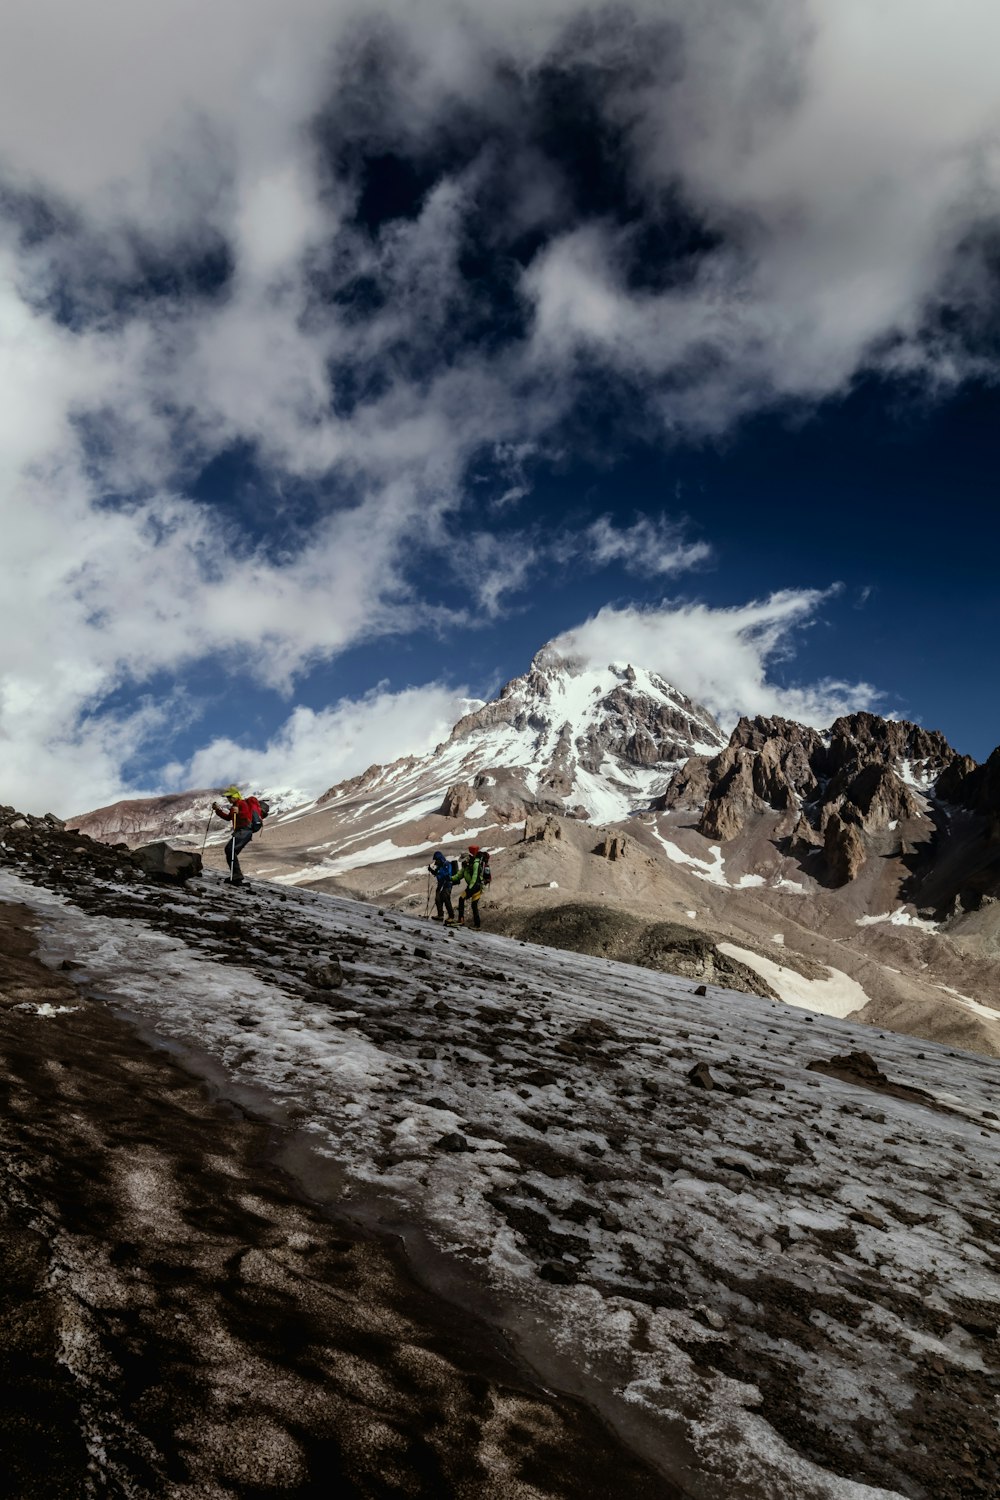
(598, 1190)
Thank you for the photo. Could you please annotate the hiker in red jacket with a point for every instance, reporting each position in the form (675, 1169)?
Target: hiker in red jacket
(239, 812)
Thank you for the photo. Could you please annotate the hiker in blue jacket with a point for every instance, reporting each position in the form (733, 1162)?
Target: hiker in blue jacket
(440, 868)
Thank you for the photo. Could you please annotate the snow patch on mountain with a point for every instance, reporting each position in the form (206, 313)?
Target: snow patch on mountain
(712, 869)
(899, 918)
(838, 995)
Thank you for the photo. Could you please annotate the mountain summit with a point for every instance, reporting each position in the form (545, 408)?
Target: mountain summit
(590, 742)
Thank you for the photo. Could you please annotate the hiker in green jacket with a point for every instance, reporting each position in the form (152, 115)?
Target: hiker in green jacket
(472, 873)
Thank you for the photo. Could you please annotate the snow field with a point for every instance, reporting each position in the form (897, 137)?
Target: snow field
(599, 1189)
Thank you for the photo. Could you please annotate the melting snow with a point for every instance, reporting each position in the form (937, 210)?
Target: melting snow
(711, 870)
(970, 1004)
(840, 995)
(899, 918)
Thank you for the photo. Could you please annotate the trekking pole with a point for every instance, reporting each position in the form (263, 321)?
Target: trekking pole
(208, 830)
(427, 906)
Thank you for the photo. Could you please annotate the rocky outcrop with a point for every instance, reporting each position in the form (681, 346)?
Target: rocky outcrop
(843, 850)
(873, 797)
(606, 932)
(976, 788)
(863, 778)
(613, 846)
(540, 830)
(457, 799)
(689, 786)
(956, 782)
(868, 736)
(731, 801)
(804, 839)
(66, 857)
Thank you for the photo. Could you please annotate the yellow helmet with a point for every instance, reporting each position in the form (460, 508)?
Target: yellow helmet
(233, 793)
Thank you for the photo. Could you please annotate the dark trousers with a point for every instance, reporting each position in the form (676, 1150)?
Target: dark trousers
(239, 839)
(442, 900)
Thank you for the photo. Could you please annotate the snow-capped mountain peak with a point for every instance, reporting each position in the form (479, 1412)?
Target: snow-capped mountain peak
(600, 739)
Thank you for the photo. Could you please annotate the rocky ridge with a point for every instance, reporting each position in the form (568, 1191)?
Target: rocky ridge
(867, 786)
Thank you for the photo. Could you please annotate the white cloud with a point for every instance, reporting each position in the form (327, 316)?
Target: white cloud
(722, 658)
(841, 153)
(313, 750)
(650, 545)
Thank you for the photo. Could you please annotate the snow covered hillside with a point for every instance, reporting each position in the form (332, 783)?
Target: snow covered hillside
(771, 1262)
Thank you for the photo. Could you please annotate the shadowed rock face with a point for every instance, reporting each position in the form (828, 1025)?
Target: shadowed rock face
(843, 850)
(974, 787)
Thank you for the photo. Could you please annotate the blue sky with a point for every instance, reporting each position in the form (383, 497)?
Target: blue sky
(346, 362)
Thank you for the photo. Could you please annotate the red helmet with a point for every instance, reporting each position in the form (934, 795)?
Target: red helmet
(473, 848)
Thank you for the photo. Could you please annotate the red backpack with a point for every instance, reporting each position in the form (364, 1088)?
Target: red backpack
(258, 812)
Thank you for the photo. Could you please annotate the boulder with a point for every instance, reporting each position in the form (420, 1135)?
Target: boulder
(162, 862)
(612, 846)
(328, 976)
(542, 830)
(701, 1078)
